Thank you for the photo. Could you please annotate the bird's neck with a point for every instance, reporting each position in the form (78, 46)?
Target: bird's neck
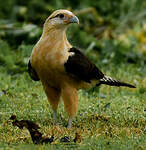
(55, 37)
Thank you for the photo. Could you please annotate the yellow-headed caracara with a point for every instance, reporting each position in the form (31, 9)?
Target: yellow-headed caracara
(62, 68)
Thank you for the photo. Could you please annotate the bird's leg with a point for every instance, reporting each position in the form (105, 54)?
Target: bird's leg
(70, 98)
(69, 122)
(55, 117)
(54, 98)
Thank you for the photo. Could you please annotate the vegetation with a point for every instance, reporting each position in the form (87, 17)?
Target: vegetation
(113, 35)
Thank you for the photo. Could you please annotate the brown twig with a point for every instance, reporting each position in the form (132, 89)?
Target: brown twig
(32, 127)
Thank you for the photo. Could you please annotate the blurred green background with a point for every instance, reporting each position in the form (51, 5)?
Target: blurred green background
(112, 31)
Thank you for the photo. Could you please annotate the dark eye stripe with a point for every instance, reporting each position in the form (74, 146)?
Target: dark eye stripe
(58, 15)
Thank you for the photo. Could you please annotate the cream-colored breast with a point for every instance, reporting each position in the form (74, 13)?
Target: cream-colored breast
(48, 60)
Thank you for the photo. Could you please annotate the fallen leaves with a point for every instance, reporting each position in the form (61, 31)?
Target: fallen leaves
(32, 127)
(36, 136)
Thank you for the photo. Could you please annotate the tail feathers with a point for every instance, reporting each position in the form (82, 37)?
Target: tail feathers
(112, 82)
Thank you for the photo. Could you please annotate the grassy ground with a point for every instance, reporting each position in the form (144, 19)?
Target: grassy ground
(113, 35)
(108, 118)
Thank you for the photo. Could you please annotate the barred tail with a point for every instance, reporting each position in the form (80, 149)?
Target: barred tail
(112, 82)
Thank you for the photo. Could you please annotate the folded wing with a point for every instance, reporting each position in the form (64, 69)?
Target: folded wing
(81, 67)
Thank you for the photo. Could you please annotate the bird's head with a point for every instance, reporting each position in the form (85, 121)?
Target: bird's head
(60, 19)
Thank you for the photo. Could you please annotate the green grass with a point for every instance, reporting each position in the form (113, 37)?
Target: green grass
(113, 118)
(108, 118)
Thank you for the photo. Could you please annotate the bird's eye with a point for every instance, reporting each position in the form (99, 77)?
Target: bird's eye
(61, 16)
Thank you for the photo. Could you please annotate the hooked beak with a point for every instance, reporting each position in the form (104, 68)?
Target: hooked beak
(74, 19)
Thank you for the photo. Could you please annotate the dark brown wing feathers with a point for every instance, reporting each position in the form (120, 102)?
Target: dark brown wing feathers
(80, 66)
(32, 72)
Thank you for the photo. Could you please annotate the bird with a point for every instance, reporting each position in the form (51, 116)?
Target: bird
(62, 68)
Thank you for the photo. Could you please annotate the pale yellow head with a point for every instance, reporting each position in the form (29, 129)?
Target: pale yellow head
(60, 19)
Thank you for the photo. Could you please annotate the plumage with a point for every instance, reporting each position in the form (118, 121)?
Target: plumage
(112, 82)
(62, 68)
(80, 66)
(32, 72)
